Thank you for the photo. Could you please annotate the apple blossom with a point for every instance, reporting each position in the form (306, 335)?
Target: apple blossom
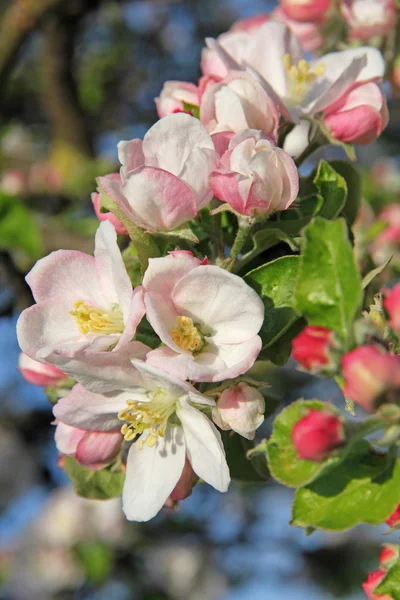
(164, 179)
(369, 18)
(108, 216)
(299, 88)
(207, 318)
(236, 103)
(374, 579)
(240, 408)
(306, 10)
(186, 483)
(167, 415)
(368, 373)
(174, 96)
(38, 373)
(392, 305)
(311, 348)
(85, 307)
(316, 434)
(92, 449)
(254, 176)
(389, 554)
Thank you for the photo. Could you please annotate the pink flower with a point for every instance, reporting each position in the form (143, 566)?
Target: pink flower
(372, 582)
(236, 103)
(389, 554)
(306, 10)
(317, 434)
(394, 518)
(164, 179)
(92, 449)
(240, 408)
(254, 176)
(186, 483)
(369, 373)
(307, 32)
(359, 116)
(391, 303)
(37, 373)
(174, 96)
(311, 348)
(207, 319)
(108, 216)
(369, 18)
(13, 182)
(85, 307)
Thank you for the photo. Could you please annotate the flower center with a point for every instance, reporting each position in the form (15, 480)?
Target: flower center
(300, 77)
(186, 335)
(149, 416)
(92, 319)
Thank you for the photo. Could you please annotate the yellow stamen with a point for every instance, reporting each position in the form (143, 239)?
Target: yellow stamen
(300, 77)
(186, 335)
(151, 417)
(92, 319)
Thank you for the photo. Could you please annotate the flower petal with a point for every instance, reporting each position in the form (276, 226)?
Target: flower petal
(130, 155)
(204, 447)
(152, 474)
(67, 438)
(96, 449)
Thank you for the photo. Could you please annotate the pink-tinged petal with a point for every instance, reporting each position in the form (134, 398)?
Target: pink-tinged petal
(161, 314)
(113, 189)
(108, 216)
(130, 155)
(114, 280)
(360, 125)
(160, 201)
(38, 373)
(174, 96)
(221, 301)
(67, 438)
(221, 141)
(152, 474)
(168, 144)
(163, 273)
(97, 449)
(65, 273)
(226, 188)
(311, 10)
(89, 411)
(185, 366)
(196, 173)
(238, 358)
(136, 313)
(204, 447)
(103, 372)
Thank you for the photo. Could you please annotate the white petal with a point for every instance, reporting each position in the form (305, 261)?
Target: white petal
(204, 447)
(67, 438)
(297, 140)
(151, 475)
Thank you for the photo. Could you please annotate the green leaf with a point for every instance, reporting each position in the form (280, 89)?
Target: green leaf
(372, 274)
(18, 230)
(181, 233)
(279, 352)
(98, 485)
(354, 188)
(254, 470)
(96, 559)
(365, 488)
(390, 584)
(328, 290)
(332, 188)
(275, 282)
(283, 461)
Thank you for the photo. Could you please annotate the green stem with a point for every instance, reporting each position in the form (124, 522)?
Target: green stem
(241, 237)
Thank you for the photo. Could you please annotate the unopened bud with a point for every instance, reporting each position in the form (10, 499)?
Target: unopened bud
(372, 583)
(38, 373)
(240, 408)
(317, 434)
(311, 348)
(388, 556)
(392, 305)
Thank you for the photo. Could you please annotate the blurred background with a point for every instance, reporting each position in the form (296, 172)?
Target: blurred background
(76, 77)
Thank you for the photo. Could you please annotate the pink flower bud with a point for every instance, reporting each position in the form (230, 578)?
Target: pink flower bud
(174, 96)
(108, 216)
(359, 116)
(37, 373)
(394, 518)
(311, 348)
(369, 373)
(369, 18)
(372, 582)
(92, 449)
(389, 554)
(255, 177)
(392, 305)
(317, 434)
(186, 483)
(240, 408)
(306, 10)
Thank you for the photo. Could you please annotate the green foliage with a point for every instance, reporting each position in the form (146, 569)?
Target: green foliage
(352, 178)
(18, 230)
(363, 489)
(284, 463)
(391, 583)
(275, 282)
(97, 485)
(95, 557)
(333, 189)
(253, 470)
(328, 290)
(372, 274)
